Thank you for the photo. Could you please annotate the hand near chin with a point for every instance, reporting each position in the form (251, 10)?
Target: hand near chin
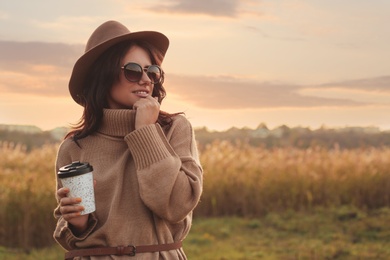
(147, 111)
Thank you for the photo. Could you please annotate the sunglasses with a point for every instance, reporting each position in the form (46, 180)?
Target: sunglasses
(133, 72)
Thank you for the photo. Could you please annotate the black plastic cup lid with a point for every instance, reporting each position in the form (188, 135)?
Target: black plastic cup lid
(74, 169)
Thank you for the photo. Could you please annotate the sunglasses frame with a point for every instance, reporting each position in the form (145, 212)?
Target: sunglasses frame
(143, 70)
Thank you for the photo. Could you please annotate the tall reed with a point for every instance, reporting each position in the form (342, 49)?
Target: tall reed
(26, 196)
(239, 180)
(246, 181)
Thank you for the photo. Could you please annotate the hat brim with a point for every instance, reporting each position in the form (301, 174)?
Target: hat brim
(83, 64)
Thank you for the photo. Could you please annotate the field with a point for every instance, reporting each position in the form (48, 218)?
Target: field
(345, 233)
(283, 203)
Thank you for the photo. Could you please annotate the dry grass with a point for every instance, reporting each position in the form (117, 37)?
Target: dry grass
(240, 180)
(26, 196)
(245, 181)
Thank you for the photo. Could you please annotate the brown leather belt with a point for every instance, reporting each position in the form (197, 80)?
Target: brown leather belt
(122, 250)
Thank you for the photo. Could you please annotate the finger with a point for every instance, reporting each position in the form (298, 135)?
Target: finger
(69, 201)
(147, 98)
(62, 192)
(70, 216)
(142, 102)
(136, 104)
(153, 100)
(70, 209)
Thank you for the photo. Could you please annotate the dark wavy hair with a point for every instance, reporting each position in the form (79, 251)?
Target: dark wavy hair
(101, 77)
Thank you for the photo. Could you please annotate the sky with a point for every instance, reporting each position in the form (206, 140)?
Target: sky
(231, 63)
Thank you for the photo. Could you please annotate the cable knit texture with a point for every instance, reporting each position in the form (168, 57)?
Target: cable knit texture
(148, 181)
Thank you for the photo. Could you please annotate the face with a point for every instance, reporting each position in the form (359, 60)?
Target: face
(123, 93)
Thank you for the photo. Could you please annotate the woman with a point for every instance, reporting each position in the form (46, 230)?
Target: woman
(147, 174)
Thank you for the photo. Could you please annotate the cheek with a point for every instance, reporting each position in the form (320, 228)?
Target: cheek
(117, 92)
(118, 87)
(114, 91)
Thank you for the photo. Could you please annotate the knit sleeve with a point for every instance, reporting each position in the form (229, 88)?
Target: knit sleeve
(168, 168)
(63, 233)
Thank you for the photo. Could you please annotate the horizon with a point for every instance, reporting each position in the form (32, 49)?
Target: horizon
(230, 63)
(260, 125)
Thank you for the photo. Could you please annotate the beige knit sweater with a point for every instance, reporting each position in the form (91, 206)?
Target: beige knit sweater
(148, 181)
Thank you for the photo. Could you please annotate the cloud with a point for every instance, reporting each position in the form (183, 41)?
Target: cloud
(373, 91)
(22, 53)
(221, 93)
(210, 7)
(369, 84)
(215, 8)
(36, 67)
(43, 69)
(264, 34)
(37, 80)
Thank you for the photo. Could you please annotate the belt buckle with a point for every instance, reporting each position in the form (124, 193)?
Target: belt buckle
(122, 250)
(133, 250)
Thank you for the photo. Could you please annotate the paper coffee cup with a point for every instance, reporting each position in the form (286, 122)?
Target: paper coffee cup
(78, 177)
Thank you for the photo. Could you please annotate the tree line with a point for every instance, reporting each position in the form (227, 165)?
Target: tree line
(302, 138)
(282, 136)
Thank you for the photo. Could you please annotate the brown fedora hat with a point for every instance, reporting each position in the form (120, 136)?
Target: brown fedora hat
(105, 36)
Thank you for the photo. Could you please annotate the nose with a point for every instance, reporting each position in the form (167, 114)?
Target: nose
(145, 79)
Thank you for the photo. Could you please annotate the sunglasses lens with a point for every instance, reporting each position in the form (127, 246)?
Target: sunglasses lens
(154, 73)
(133, 72)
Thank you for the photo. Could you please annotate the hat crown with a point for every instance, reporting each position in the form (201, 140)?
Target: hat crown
(106, 32)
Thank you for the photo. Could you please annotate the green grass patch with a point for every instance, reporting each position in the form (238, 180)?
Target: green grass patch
(51, 253)
(342, 233)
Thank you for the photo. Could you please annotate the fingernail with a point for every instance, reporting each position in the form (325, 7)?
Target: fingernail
(78, 199)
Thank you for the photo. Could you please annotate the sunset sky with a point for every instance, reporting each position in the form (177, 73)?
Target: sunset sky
(230, 63)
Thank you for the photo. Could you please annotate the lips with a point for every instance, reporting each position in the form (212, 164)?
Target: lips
(141, 93)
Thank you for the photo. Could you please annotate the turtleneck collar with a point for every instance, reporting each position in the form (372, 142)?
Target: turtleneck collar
(117, 122)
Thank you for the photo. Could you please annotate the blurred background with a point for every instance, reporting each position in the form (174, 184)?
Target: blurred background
(289, 100)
